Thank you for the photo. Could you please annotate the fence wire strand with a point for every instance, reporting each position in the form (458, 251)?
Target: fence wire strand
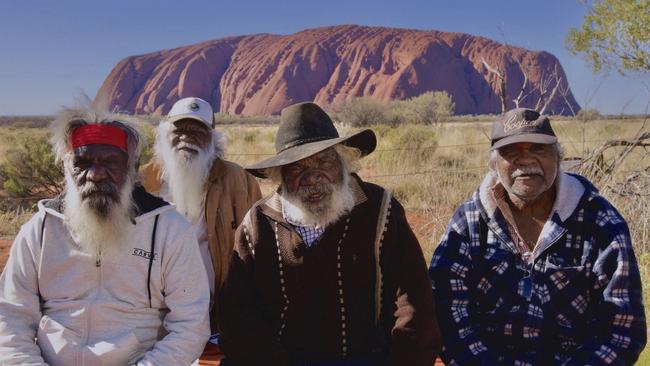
(420, 148)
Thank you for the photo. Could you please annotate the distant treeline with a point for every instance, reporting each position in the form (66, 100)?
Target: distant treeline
(25, 121)
(228, 119)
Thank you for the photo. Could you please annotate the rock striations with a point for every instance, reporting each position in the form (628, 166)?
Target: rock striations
(263, 73)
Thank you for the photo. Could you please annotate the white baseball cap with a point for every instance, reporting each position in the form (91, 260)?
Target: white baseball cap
(192, 108)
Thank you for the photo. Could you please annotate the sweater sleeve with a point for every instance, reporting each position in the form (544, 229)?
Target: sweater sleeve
(20, 311)
(415, 338)
(187, 295)
(449, 271)
(247, 338)
(621, 333)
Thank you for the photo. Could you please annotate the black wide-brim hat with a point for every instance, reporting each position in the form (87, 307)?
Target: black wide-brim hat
(305, 130)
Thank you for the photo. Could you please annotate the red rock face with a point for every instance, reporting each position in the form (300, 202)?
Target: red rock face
(261, 74)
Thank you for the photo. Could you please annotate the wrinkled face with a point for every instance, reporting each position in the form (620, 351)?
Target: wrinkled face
(527, 169)
(189, 136)
(313, 179)
(99, 172)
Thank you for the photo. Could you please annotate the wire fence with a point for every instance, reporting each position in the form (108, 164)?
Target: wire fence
(391, 150)
(420, 148)
(424, 148)
(424, 172)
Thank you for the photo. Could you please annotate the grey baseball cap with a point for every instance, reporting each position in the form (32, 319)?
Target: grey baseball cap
(522, 125)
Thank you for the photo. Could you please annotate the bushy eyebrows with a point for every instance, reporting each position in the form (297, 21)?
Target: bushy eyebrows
(324, 157)
(327, 156)
(83, 155)
(192, 128)
(513, 149)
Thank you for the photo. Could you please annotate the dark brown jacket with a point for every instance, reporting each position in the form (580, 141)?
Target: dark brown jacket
(230, 192)
(304, 310)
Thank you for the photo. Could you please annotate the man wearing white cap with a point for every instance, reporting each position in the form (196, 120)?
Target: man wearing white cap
(214, 194)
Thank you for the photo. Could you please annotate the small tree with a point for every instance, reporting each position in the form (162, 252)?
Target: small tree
(429, 107)
(362, 111)
(615, 35)
(29, 170)
(588, 114)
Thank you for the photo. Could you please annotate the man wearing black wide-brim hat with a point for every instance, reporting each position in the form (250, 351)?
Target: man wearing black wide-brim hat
(326, 270)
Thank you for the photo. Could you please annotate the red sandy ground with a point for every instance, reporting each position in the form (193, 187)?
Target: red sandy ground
(4, 251)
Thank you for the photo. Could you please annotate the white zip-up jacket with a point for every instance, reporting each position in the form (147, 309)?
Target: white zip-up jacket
(59, 306)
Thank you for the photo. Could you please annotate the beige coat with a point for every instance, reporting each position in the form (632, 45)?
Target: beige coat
(230, 192)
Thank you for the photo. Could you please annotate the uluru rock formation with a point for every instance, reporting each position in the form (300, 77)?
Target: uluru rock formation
(263, 73)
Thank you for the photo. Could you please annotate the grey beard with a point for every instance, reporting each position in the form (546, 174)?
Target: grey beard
(101, 197)
(185, 173)
(321, 188)
(339, 201)
(100, 224)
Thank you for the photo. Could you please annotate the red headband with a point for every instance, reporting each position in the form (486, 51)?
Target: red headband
(99, 135)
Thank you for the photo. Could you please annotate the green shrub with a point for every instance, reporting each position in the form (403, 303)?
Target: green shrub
(28, 169)
(360, 112)
(588, 114)
(149, 133)
(429, 108)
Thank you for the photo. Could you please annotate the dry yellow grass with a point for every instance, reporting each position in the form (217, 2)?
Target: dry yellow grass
(434, 168)
(8, 135)
(431, 169)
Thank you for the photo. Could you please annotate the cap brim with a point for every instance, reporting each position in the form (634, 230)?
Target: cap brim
(179, 117)
(364, 140)
(535, 138)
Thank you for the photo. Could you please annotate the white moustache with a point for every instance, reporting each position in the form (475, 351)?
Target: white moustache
(527, 171)
(189, 145)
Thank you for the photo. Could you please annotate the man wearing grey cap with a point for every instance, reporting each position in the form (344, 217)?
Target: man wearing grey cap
(536, 268)
(213, 194)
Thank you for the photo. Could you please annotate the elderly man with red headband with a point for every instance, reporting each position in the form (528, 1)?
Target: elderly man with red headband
(106, 274)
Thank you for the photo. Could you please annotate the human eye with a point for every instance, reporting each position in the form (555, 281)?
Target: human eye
(80, 163)
(541, 149)
(506, 152)
(326, 163)
(294, 169)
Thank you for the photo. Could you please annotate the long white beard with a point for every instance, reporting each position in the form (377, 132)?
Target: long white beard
(341, 202)
(184, 173)
(99, 234)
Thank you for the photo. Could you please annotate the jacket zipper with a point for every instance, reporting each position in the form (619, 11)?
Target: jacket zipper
(98, 267)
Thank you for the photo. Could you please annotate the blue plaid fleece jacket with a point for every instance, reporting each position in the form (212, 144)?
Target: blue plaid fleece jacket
(578, 303)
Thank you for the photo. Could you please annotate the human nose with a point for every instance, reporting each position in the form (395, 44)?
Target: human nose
(312, 177)
(525, 157)
(96, 173)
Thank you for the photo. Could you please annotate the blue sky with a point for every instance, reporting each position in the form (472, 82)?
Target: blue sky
(52, 51)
